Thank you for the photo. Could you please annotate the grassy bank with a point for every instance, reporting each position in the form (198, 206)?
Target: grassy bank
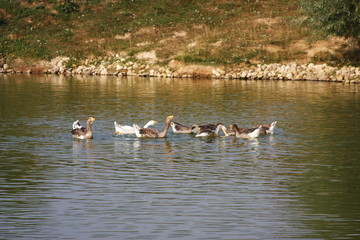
(204, 32)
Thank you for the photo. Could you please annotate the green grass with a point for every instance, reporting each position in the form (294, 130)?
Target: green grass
(78, 29)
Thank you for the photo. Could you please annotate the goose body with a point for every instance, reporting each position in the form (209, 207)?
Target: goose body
(125, 129)
(202, 128)
(180, 128)
(152, 132)
(210, 131)
(82, 132)
(267, 128)
(245, 132)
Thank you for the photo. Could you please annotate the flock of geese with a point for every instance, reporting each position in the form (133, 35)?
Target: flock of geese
(207, 130)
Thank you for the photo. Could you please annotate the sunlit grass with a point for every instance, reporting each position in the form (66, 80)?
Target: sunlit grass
(217, 32)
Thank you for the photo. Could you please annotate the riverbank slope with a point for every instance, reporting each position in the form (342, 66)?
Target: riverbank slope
(173, 38)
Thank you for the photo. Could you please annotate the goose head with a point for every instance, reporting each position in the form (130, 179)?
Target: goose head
(91, 120)
(153, 122)
(169, 119)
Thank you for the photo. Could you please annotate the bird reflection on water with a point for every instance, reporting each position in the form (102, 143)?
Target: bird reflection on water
(80, 147)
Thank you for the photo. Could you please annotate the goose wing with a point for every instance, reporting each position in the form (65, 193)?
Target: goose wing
(79, 132)
(123, 129)
(248, 130)
(207, 130)
(179, 126)
(206, 127)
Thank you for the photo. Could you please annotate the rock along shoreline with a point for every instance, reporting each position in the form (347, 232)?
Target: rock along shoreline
(122, 66)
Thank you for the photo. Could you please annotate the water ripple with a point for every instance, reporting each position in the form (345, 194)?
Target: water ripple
(299, 183)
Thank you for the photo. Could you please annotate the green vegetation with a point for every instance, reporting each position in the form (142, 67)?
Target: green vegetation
(205, 32)
(334, 17)
(68, 6)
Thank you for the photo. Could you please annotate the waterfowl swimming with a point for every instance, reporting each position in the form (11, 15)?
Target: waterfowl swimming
(207, 127)
(267, 128)
(125, 129)
(76, 125)
(83, 133)
(180, 128)
(209, 130)
(245, 132)
(152, 132)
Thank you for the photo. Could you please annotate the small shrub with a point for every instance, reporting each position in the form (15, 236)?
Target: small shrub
(68, 6)
(322, 56)
(2, 21)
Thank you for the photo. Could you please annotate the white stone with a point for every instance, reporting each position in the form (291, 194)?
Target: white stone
(103, 71)
(243, 74)
(289, 76)
(216, 73)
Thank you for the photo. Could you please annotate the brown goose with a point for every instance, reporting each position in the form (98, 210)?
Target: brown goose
(152, 132)
(207, 127)
(267, 128)
(83, 133)
(245, 132)
(210, 131)
(180, 128)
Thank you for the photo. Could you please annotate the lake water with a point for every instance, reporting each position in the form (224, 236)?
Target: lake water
(302, 182)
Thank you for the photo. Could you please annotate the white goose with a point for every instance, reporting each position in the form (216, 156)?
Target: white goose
(125, 129)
